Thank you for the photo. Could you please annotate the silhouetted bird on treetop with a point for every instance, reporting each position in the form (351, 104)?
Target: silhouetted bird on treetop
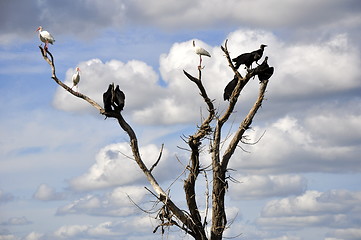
(264, 71)
(107, 98)
(229, 88)
(118, 99)
(248, 58)
(113, 99)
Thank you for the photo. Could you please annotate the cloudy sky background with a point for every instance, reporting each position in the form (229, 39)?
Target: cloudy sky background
(65, 171)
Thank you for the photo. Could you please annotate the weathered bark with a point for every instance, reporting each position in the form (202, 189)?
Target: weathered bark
(194, 142)
(220, 164)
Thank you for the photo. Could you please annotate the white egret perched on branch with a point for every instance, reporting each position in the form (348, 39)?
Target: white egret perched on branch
(201, 52)
(45, 37)
(76, 78)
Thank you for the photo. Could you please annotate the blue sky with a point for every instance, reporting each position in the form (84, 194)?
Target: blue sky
(64, 170)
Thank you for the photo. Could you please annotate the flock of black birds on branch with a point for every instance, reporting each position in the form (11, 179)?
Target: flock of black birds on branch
(114, 99)
(263, 70)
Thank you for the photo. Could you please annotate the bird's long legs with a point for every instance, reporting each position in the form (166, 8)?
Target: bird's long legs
(200, 62)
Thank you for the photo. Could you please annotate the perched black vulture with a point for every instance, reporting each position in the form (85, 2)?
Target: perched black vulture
(107, 98)
(248, 58)
(264, 71)
(228, 90)
(258, 53)
(119, 99)
(266, 74)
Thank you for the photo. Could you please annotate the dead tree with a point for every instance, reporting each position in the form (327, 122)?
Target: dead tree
(190, 220)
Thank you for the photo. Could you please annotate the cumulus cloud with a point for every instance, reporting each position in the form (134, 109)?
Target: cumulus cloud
(115, 203)
(288, 147)
(8, 236)
(71, 231)
(334, 208)
(114, 166)
(35, 236)
(136, 79)
(301, 76)
(264, 186)
(104, 230)
(47, 193)
(336, 123)
(344, 234)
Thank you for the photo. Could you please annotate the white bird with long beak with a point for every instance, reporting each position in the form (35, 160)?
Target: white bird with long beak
(201, 52)
(76, 78)
(45, 37)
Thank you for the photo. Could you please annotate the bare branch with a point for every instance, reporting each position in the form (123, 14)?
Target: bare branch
(207, 200)
(63, 85)
(160, 155)
(194, 143)
(143, 210)
(257, 141)
(244, 125)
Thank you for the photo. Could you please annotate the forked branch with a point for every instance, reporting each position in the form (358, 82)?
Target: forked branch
(194, 142)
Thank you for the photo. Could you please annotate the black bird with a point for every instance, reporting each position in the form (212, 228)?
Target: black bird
(248, 58)
(264, 71)
(107, 98)
(266, 74)
(228, 90)
(118, 99)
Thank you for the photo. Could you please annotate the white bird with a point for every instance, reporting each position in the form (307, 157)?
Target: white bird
(45, 37)
(76, 78)
(201, 52)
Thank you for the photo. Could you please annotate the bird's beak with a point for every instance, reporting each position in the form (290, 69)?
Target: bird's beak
(37, 30)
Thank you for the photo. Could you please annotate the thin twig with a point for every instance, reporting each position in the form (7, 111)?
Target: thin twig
(160, 155)
(207, 199)
(143, 210)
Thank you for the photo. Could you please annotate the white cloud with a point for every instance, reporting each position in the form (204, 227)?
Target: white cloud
(16, 221)
(301, 76)
(117, 203)
(34, 236)
(136, 79)
(308, 70)
(71, 231)
(334, 208)
(287, 146)
(8, 237)
(344, 234)
(106, 230)
(114, 166)
(47, 193)
(336, 123)
(263, 186)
